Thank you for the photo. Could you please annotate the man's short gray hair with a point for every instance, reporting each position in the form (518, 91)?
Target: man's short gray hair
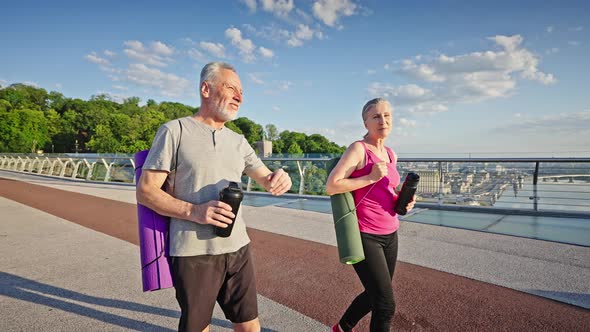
(211, 70)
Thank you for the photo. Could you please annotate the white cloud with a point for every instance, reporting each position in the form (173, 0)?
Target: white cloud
(135, 45)
(478, 76)
(406, 123)
(574, 43)
(421, 71)
(120, 87)
(58, 85)
(552, 50)
(156, 55)
(329, 11)
(549, 29)
(251, 4)
(428, 107)
(463, 78)
(276, 109)
(255, 77)
(284, 85)
(509, 43)
(30, 83)
(94, 58)
(3, 83)
(405, 94)
(577, 29)
(116, 97)
(196, 55)
(294, 42)
(305, 17)
(279, 8)
(215, 49)
(564, 123)
(296, 38)
(167, 84)
(110, 54)
(245, 46)
(266, 53)
(111, 70)
(303, 32)
(161, 48)
(371, 72)
(279, 87)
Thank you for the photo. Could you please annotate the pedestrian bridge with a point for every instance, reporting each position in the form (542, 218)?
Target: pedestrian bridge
(70, 262)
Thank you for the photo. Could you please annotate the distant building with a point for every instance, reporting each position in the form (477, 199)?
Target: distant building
(430, 182)
(264, 148)
(500, 170)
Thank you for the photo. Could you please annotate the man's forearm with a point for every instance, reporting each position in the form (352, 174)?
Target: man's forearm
(164, 204)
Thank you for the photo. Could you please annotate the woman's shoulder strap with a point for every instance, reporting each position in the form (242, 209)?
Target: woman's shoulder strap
(392, 154)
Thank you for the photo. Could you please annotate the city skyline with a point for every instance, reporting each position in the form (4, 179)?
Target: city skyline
(464, 77)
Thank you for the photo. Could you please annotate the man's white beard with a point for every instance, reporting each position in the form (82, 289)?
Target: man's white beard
(226, 115)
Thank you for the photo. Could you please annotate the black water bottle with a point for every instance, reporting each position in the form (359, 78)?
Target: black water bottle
(232, 195)
(407, 193)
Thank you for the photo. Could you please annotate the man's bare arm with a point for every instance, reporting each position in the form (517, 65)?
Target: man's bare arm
(150, 194)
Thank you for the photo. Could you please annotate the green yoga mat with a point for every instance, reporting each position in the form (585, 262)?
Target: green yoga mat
(348, 236)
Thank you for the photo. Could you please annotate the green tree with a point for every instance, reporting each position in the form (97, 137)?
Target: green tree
(272, 132)
(57, 101)
(31, 118)
(232, 126)
(22, 131)
(24, 96)
(294, 148)
(175, 110)
(251, 130)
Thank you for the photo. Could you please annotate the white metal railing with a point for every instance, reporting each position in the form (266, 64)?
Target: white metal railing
(539, 185)
(86, 167)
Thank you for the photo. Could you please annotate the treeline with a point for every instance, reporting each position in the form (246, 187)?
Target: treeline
(33, 119)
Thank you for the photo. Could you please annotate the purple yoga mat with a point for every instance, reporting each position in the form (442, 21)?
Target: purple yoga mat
(153, 241)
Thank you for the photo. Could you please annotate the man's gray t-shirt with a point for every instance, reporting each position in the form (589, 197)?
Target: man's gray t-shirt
(208, 160)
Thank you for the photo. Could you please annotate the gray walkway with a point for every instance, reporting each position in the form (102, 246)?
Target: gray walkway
(45, 270)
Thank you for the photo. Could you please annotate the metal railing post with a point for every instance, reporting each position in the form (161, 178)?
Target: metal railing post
(107, 176)
(440, 183)
(132, 161)
(535, 178)
(301, 177)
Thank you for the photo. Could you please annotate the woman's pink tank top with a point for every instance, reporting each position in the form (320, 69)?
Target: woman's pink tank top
(375, 211)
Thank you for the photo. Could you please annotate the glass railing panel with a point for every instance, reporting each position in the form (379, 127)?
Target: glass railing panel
(562, 184)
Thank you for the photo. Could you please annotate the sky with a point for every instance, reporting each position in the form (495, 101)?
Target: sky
(465, 77)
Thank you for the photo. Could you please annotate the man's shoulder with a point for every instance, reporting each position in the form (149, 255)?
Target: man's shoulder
(173, 125)
(233, 134)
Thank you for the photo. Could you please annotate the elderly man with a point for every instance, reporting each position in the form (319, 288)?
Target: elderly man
(196, 157)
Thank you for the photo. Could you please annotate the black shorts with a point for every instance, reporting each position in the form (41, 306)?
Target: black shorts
(201, 280)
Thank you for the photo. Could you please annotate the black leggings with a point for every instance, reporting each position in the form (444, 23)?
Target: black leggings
(375, 273)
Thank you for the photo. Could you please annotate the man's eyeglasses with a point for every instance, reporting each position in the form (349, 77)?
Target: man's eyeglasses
(233, 89)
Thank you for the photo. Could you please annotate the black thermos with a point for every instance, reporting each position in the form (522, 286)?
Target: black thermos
(407, 193)
(232, 195)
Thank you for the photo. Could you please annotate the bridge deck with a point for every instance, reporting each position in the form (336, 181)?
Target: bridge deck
(58, 276)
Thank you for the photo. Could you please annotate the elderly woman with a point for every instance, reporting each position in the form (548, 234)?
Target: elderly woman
(368, 170)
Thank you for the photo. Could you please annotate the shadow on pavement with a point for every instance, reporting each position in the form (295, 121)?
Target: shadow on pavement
(35, 292)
